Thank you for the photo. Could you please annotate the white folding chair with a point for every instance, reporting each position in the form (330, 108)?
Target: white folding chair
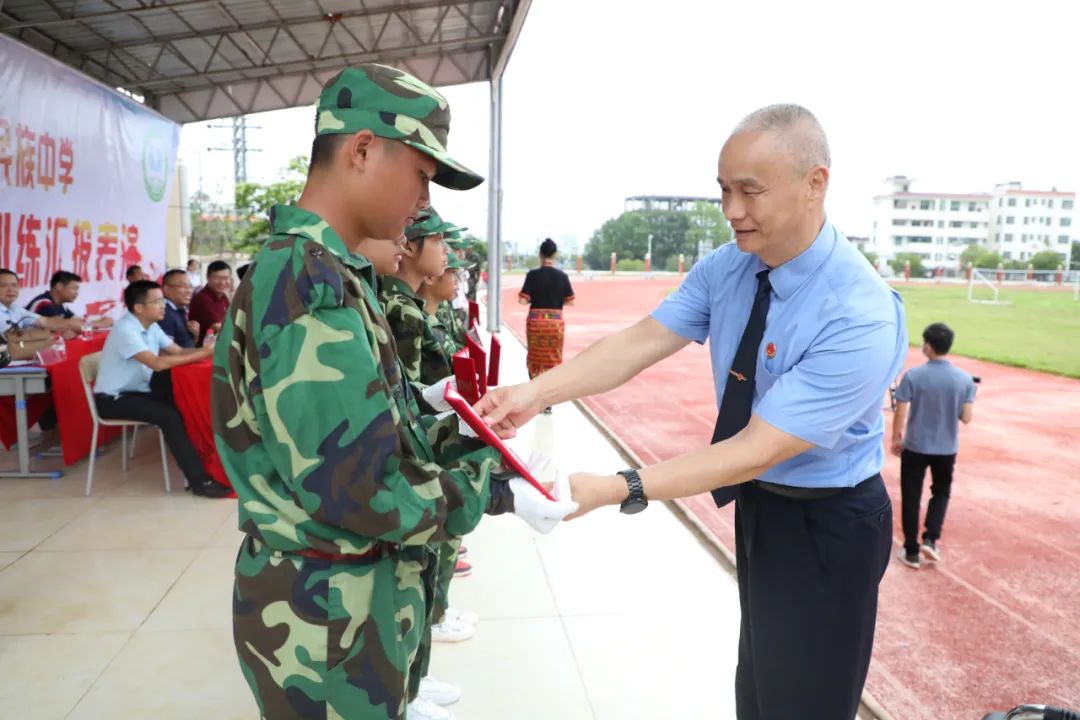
(88, 371)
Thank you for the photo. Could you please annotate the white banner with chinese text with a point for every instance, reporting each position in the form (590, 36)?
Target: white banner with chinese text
(85, 175)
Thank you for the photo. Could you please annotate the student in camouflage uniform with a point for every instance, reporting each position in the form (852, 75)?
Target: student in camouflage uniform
(436, 290)
(341, 490)
(419, 349)
(425, 363)
(468, 276)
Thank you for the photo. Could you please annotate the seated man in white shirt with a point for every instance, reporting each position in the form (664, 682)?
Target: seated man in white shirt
(26, 333)
(20, 325)
(134, 383)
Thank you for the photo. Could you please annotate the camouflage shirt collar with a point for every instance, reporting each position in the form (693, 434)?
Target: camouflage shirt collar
(393, 284)
(293, 220)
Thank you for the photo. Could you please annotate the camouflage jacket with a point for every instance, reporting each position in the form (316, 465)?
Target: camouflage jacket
(317, 431)
(420, 351)
(442, 336)
(452, 323)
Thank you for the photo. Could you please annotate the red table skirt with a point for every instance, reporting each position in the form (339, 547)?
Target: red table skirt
(191, 393)
(73, 414)
(36, 405)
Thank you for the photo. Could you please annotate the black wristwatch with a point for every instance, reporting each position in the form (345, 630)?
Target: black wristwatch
(636, 501)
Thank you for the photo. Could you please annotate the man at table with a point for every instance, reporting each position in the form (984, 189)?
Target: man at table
(178, 290)
(63, 289)
(26, 333)
(13, 317)
(133, 382)
(210, 304)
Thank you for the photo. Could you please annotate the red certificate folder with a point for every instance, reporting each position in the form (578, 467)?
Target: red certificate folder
(479, 359)
(465, 375)
(465, 411)
(493, 362)
(474, 314)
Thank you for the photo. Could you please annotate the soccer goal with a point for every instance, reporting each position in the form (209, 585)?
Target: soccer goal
(984, 291)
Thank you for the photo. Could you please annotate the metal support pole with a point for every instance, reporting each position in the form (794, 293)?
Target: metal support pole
(494, 283)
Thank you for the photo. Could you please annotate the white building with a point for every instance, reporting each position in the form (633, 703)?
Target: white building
(935, 226)
(1024, 223)
(938, 226)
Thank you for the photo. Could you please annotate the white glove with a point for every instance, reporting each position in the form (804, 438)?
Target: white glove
(541, 514)
(434, 395)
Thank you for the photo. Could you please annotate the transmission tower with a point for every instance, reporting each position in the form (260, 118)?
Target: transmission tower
(239, 147)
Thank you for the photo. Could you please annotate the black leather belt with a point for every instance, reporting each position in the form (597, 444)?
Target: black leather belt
(798, 493)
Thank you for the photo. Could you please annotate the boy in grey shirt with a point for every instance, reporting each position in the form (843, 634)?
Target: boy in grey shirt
(940, 397)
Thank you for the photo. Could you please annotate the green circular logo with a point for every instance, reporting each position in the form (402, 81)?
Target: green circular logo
(155, 167)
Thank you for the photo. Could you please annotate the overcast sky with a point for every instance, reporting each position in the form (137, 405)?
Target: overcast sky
(604, 99)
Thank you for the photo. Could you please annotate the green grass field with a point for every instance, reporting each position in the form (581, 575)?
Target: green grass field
(1040, 330)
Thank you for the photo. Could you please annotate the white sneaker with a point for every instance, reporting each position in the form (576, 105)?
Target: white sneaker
(421, 709)
(466, 616)
(452, 630)
(438, 692)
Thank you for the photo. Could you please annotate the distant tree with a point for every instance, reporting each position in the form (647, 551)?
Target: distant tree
(254, 201)
(979, 257)
(1046, 260)
(673, 233)
(917, 267)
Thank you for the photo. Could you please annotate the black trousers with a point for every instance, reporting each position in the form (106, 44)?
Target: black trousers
(808, 586)
(156, 407)
(912, 473)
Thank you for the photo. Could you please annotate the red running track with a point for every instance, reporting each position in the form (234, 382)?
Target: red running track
(998, 622)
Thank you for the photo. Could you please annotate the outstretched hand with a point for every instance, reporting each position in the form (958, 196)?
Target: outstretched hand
(506, 409)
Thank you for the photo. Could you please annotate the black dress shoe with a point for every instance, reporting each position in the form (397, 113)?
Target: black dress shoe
(210, 489)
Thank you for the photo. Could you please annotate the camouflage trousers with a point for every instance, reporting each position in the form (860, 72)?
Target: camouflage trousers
(448, 555)
(322, 639)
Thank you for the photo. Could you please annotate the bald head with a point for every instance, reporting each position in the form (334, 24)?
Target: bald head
(799, 130)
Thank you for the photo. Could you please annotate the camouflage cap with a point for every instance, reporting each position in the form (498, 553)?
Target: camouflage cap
(395, 105)
(453, 262)
(431, 224)
(457, 241)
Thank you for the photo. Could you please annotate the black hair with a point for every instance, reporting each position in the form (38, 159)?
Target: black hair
(420, 243)
(323, 149)
(5, 271)
(172, 273)
(137, 291)
(217, 266)
(131, 271)
(242, 270)
(63, 277)
(193, 260)
(548, 248)
(939, 337)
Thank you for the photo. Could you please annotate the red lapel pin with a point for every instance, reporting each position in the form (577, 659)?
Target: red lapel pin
(770, 351)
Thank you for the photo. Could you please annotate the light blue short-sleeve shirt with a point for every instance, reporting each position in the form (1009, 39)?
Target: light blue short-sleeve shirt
(120, 372)
(16, 316)
(835, 338)
(937, 392)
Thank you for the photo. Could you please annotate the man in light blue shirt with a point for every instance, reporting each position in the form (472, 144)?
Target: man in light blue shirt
(940, 397)
(805, 339)
(133, 382)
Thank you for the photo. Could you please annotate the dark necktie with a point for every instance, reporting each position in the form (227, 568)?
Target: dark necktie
(739, 392)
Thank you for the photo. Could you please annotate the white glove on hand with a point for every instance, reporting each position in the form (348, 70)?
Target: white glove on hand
(434, 395)
(541, 514)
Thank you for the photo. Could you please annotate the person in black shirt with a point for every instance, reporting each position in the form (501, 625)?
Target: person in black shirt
(546, 290)
(63, 289)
